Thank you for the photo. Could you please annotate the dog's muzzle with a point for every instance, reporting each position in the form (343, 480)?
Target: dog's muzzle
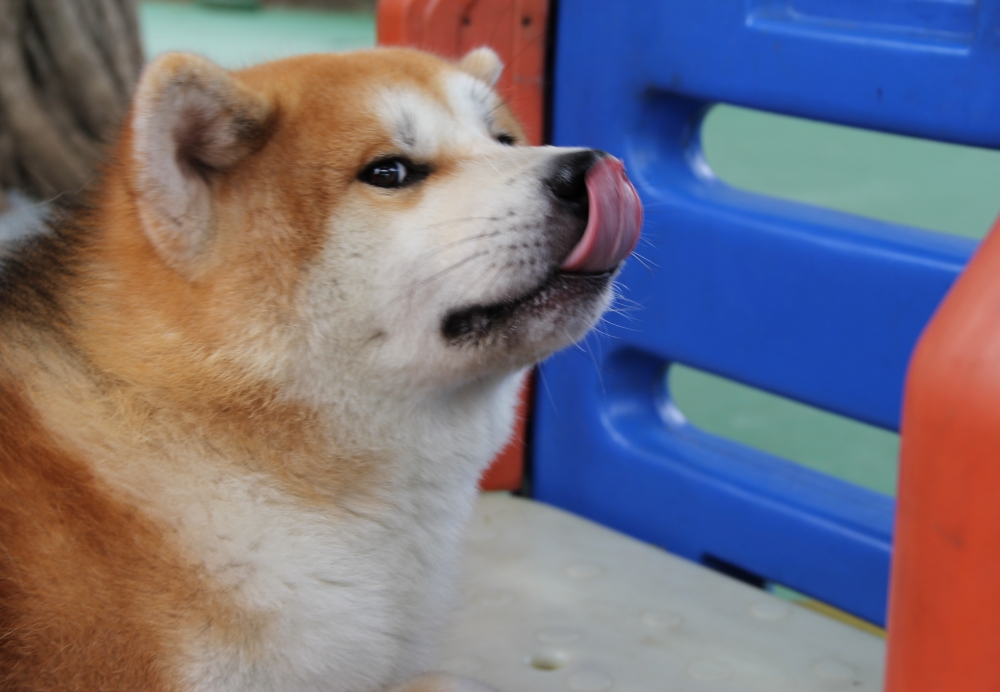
(593, 185)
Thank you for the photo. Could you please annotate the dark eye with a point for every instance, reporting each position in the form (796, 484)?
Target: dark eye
(392, 173)
(506, 140)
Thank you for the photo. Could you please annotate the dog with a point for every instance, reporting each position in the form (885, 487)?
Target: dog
(250, 378)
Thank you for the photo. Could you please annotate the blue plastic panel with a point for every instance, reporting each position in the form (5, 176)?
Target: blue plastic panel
(815, 305)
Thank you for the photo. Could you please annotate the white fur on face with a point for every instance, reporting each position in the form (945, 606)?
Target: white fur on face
(477, 234)
(425, 128)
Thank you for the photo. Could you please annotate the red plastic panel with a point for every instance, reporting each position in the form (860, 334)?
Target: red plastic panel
(944, 608)
(515, 29)
(507, 471)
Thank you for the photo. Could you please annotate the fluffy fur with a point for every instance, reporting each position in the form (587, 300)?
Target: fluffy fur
(246, 394)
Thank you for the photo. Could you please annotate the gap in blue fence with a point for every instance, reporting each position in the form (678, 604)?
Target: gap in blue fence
(941, 187)
(825, 442)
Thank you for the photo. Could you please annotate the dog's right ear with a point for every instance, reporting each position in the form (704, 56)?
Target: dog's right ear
(482, 63)
(191, 120)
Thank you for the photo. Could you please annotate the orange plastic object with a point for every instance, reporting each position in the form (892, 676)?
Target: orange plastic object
(944, 607)
(517, 31)
(507, 470)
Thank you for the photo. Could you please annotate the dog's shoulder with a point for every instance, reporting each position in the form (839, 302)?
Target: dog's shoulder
(84, 579)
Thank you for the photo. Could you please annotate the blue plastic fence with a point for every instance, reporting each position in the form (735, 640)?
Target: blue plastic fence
(811, 304)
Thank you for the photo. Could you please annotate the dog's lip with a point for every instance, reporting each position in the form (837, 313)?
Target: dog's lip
(560, 272)
(547, 283)
(614, 220)
(462, 321)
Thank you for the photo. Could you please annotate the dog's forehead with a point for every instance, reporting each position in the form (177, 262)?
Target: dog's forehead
(423, 123)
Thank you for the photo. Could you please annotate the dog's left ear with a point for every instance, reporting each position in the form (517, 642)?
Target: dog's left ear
(483, 64)
(191, 121)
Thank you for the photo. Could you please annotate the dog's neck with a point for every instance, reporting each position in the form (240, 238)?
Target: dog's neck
(370, 437)
(359, 430)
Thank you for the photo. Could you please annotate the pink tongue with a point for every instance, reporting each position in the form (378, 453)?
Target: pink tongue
(615, 220)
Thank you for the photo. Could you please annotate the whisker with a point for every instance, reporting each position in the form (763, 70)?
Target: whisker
(456, 243)
(548, 391)
(647, 263)
(481, 281)
(630, 318)
(452, 267)
(594, 360)
(616, 326)
(409, 295)
(457, 220)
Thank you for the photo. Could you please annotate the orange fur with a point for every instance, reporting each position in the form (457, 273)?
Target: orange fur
(88, 584)
(108, 351)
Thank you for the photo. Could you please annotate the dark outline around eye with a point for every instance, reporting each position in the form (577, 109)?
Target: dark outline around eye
(506, 139)
(414, 172)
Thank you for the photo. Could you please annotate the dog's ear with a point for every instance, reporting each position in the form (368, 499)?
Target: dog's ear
(482, 63)
(191, 121)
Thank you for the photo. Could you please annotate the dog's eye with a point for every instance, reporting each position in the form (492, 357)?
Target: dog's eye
(394, 172)
(506, 139)
(386, 173)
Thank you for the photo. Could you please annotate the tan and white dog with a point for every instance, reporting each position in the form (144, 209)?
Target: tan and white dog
(247, 388)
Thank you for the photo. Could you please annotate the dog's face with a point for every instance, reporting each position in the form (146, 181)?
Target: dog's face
(378, 210)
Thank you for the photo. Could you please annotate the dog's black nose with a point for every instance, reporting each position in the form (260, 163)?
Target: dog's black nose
(568, 179)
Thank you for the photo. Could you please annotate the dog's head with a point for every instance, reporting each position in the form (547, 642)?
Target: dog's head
(377, 212)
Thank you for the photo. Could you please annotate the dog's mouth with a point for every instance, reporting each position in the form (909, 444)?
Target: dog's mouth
(561, 288)
(614, 219)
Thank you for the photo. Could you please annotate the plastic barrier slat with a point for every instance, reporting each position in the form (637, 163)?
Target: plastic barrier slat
(818, 306)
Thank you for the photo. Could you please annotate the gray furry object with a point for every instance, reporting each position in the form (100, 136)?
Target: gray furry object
(23, 217)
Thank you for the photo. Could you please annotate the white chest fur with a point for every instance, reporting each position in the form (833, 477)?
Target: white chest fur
(351, 599)
(354, 594)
